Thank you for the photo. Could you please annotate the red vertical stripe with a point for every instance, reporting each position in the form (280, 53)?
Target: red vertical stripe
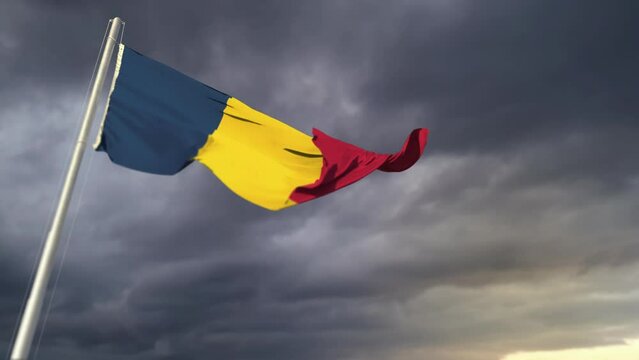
(345, 163)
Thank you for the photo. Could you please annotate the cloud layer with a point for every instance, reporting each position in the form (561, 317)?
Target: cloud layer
(516, 232)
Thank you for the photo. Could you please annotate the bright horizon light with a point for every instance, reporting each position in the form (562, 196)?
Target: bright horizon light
(627, 351)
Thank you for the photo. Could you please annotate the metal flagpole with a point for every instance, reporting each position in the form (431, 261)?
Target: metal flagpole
(31, 314)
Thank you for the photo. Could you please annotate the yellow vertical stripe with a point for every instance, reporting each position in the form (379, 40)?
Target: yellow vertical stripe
(260, 158)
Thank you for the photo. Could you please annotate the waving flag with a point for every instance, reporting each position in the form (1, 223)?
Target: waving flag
(159, 121)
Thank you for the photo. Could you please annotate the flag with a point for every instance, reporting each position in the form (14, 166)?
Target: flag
(159, 121)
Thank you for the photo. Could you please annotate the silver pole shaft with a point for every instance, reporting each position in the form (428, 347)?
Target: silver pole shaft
(33, 309)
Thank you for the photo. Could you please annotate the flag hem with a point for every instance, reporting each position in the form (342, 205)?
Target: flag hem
(116, 72)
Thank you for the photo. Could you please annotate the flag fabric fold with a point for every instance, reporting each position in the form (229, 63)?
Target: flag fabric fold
(345, 163)
(159, 120)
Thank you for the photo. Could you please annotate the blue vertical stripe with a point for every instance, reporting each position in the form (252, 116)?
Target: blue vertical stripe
(158, 118)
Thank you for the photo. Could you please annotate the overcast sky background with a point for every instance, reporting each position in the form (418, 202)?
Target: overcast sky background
(517, 230)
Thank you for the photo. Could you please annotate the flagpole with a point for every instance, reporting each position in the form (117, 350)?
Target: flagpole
(33, 309)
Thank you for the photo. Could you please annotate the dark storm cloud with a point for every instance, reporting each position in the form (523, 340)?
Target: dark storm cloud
(521, 213)
(498, 75)
(247, 33)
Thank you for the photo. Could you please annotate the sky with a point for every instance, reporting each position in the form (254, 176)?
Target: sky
(514, 237)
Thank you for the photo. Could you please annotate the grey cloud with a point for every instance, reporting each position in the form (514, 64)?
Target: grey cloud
(506, 73)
